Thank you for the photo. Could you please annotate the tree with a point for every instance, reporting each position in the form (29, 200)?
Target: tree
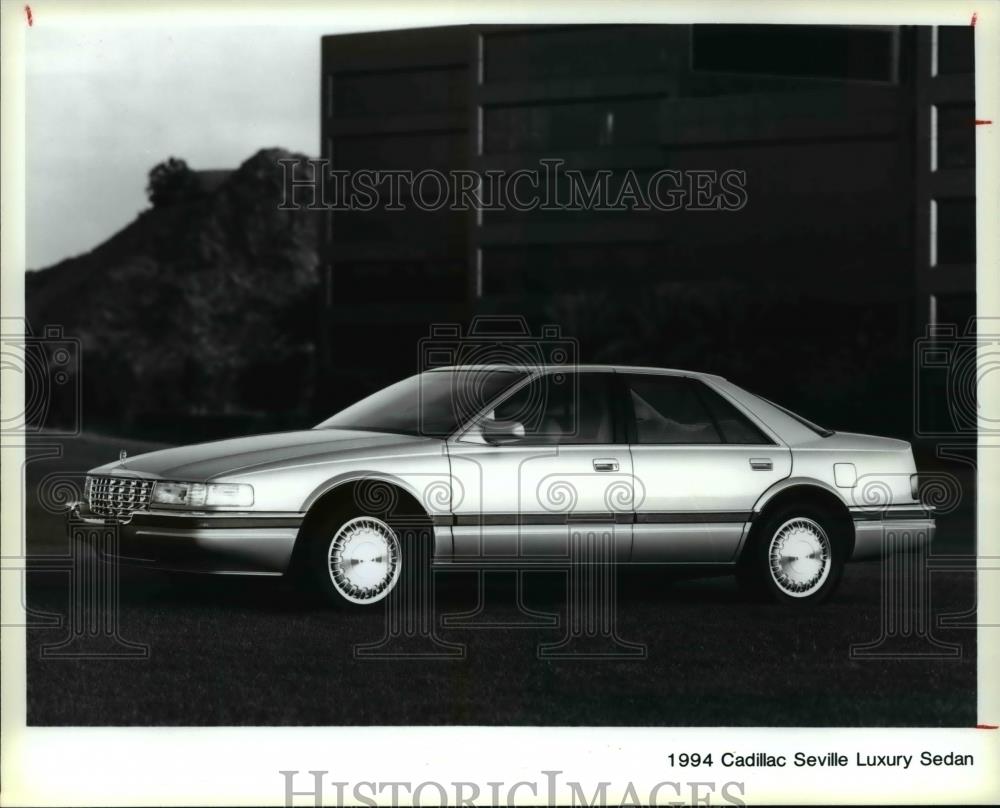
(170, 182)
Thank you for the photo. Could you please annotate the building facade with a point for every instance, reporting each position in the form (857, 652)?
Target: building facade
(856, 149)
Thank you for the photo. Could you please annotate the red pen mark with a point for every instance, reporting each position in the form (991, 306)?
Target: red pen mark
(980, 122)
(974, 15)
(27, 13)
(987, 726)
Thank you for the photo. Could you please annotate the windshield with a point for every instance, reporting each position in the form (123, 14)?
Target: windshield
(435, 403)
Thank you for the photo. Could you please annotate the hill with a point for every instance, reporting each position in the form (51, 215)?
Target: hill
(204, 305)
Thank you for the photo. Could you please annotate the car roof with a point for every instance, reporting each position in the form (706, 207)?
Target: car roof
(583, 368)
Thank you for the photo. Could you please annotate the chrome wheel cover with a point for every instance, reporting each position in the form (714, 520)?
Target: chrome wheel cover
(363, 560)
(799, 557)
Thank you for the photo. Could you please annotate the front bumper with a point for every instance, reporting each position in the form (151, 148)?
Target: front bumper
(221, 542)
(882, 532)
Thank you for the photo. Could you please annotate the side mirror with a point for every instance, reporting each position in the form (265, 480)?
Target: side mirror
(498, 433)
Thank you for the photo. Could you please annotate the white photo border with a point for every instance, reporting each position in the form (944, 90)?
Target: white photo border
(240, 766)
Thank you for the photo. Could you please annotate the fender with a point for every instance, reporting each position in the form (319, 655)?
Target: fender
(443, 542)
(790, 482)
(357, 475)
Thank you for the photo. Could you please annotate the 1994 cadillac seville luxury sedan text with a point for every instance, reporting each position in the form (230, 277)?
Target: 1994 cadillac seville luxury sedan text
(516, 465)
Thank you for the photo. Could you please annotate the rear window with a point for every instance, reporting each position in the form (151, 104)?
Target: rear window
(823, 432)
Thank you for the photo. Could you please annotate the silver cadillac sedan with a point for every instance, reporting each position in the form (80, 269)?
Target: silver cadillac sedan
(524, 466)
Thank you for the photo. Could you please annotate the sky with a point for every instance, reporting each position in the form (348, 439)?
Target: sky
(105, 104)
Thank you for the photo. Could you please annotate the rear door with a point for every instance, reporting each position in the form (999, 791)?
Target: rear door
(699, 465)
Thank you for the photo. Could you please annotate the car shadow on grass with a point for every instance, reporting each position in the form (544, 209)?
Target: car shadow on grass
(454, 591)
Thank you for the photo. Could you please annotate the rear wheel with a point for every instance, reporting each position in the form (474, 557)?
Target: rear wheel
(796, 556)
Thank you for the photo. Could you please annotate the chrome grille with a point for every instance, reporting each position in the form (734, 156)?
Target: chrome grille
(118, 497)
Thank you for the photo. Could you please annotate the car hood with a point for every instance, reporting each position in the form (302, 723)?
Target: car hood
(205, 461)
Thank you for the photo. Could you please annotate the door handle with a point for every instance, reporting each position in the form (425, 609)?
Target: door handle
(761, 463)
(605, 464)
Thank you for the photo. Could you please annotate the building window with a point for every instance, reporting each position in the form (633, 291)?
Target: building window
(953, 136)
(955, 50)
(548, 269)
(953, 231)
(399, 92)
(575, 52)
(803, 51)
(576, 125)
(401, 150)
(958, 309)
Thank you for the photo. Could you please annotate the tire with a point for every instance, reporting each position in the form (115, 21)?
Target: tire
(795, 557)
(353, 561)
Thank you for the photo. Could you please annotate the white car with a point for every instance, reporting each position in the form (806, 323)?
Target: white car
(526, 467)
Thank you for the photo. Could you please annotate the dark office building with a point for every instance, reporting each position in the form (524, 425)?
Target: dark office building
(857, 230)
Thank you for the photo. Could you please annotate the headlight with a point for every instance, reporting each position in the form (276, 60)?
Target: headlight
(202, 495)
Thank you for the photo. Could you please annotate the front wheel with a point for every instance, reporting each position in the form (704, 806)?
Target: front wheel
(796, 556)
(355, 561)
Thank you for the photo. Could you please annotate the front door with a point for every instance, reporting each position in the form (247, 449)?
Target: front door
(569, 475)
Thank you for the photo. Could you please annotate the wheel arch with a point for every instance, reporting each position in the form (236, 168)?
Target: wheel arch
(802, 491)
(373, 494)
(356, 478)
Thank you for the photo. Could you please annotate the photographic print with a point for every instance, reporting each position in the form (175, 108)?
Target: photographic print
(437, 382)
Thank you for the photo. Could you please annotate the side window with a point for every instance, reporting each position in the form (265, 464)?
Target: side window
(562, 408)
(668, 410)
(734, 425)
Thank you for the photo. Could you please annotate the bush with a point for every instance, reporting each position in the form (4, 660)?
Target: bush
(171, 182)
